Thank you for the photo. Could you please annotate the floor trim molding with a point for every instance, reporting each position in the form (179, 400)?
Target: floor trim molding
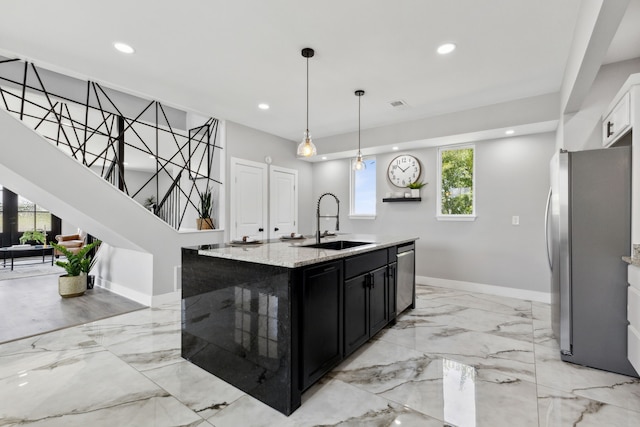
(502, 291)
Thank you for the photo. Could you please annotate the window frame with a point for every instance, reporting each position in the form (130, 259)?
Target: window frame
(352, 190)
(456, 217)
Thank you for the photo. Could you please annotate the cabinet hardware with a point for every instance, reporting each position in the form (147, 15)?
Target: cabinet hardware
(276, 229)
(609, 129)
(261, 229)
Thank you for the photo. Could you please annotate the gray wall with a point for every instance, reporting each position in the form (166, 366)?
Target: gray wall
(512, 178)
(251, 144)
(582, 130)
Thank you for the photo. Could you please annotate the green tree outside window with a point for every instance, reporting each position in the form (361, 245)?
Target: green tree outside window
(456, 197)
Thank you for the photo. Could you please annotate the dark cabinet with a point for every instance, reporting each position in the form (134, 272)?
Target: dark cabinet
(321, 320)
(366, 299)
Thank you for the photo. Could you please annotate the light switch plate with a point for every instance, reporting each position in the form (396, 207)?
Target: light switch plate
(515, 220)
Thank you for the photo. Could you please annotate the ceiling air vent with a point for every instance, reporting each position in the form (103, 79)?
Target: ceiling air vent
(398, 104)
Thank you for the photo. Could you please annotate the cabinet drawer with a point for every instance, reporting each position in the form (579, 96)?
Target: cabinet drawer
(633, 347)
(633, 307)
(359, 264)
(617, 122)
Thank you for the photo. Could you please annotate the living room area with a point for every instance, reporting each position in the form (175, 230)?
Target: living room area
(30, 299)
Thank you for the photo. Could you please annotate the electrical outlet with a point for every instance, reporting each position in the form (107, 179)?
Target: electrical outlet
(515, 220)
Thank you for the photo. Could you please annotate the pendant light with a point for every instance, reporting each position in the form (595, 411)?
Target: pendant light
(306, 147)
(359, 164)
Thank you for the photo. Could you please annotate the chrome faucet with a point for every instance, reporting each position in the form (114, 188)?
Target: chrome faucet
(318, 216)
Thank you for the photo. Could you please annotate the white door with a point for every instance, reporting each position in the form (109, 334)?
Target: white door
(248, 199)
(283, 199)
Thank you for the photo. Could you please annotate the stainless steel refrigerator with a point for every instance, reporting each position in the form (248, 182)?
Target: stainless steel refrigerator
(588, 231)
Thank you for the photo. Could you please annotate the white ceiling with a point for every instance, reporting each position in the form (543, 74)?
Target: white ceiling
(222, 58)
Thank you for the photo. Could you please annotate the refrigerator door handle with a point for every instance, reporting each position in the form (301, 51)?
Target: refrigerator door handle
(546, 227)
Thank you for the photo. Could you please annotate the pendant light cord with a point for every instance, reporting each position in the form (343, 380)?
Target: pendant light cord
(307, 97)
(359, 97)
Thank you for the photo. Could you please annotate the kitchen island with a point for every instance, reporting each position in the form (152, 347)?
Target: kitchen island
(273, 318)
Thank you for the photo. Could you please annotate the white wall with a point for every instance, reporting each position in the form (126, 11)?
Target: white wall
(582, 130)
(512, 179)
(251, 144)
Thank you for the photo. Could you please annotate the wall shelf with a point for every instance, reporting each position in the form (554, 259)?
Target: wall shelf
(402, 199)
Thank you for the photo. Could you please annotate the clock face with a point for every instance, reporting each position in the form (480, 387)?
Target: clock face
(403, 170)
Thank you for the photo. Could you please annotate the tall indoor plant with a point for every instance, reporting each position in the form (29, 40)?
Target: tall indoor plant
(74, 283)
(204, 221)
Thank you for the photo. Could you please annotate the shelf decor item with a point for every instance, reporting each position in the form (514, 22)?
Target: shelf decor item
(415, 188)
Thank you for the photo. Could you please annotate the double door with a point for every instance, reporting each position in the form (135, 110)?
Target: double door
(264, 200)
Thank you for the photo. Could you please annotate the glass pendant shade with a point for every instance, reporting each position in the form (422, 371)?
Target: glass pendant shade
(306, 147)
(359, 164)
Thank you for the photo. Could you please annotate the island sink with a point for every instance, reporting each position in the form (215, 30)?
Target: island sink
(337, 245)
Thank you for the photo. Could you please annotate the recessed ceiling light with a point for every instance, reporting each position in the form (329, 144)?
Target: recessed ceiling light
(395, 148)
(125, 163)
(123, 47)
(446, 48)
(151, 156)
(510, 132)
(263, 106)
(324, 157)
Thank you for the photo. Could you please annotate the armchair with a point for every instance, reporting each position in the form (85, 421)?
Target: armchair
(73, 242)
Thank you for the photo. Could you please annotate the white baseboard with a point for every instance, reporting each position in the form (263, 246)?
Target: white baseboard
(136, 296)
(486, 289)
(139, 297)
(168, 298)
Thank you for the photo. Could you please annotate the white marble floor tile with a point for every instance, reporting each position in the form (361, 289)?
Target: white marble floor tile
(88, 389)
(49, 349)
(146, 339)
(202, 392)
(492, 303)
(606, 387)
(473, 319)
(559, 409)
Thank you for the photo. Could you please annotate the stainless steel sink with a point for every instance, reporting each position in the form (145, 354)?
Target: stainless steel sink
(337, 245)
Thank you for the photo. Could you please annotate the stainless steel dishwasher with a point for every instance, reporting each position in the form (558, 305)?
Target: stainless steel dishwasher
(406, 280)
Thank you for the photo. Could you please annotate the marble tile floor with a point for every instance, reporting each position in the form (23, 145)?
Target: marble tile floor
(459, 359)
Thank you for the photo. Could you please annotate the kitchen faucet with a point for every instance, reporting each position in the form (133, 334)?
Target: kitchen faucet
(318, 216)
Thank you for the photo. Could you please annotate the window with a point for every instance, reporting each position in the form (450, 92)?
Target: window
(363, 190)
(456, 183)
(32, 217)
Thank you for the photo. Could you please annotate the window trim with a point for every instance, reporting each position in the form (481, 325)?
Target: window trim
(352, 183)
(456, 217)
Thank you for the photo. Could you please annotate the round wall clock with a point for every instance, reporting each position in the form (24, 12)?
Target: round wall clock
(403, 170)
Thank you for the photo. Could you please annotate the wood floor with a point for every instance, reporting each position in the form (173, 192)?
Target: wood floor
(31, 306)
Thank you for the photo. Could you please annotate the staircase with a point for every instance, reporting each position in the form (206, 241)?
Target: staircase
(76, 193)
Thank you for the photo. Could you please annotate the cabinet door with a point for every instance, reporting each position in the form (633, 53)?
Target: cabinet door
(378, 300)
(322, 322)
(356, 313)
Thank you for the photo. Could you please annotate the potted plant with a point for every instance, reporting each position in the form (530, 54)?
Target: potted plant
(74, 283)
(415, 188)
(150, 203)
(204, 221)
(32, 235)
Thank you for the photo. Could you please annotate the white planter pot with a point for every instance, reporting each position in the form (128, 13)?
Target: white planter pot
(72, 286)
(415, 192)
